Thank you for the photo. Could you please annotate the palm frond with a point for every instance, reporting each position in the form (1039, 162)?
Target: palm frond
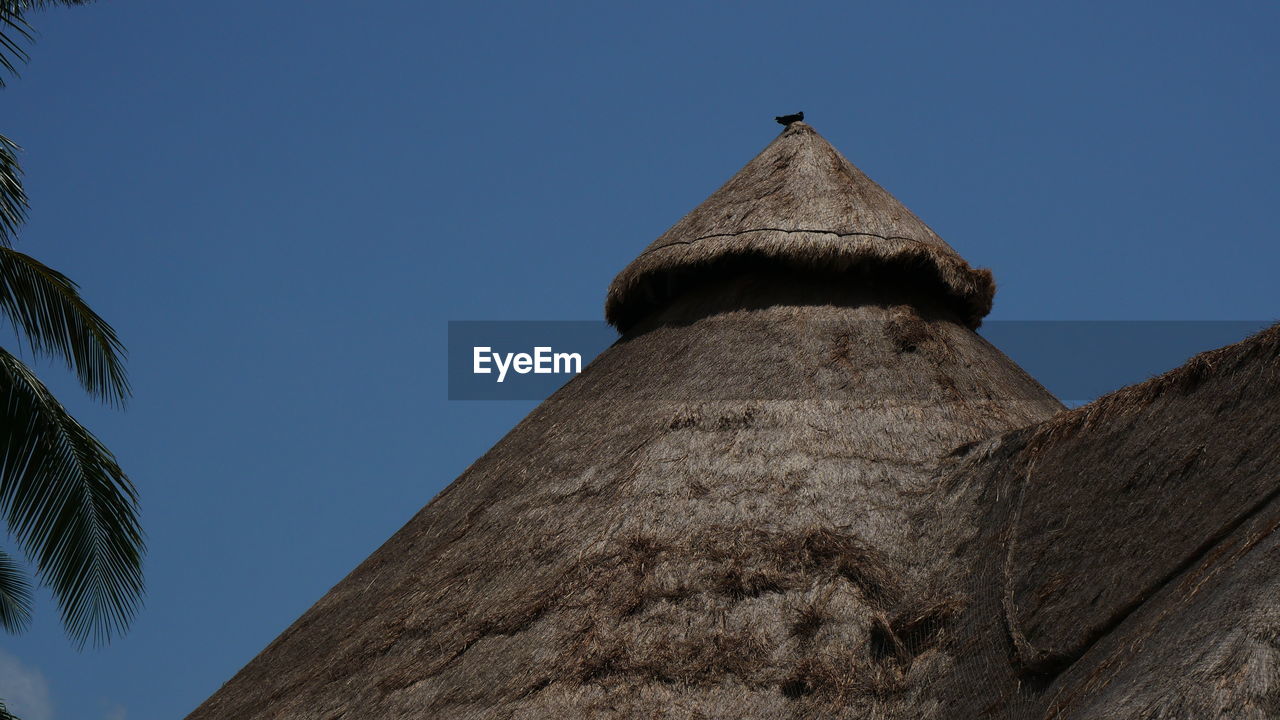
(15, 595)
(46, 309)
(15, 31)
(24, 5)
(13, 199)
(5, 714)
(71, 507)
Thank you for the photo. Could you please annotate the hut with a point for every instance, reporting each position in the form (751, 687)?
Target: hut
(800, 485)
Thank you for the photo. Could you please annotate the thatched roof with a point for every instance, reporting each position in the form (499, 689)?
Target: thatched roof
(800, 203)
(783, 494)
(712, 520)
(1126, 562)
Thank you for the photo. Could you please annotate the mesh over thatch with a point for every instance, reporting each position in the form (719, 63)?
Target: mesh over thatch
(715, 520)
(1125, 563)
(800, 203)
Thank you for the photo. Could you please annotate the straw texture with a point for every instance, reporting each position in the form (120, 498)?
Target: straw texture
(800, 203)
(807, 489)
(1124, 562)
(713, 520)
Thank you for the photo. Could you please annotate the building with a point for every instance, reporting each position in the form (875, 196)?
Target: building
(801, 486)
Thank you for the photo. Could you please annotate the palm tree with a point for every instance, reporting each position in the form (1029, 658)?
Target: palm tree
(63, 497)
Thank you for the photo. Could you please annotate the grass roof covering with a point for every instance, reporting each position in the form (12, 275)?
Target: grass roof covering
(807, 489)
(713, 520)
(1124, 563)
(799, 203)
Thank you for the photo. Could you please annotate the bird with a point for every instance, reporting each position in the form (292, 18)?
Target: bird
(788, 119)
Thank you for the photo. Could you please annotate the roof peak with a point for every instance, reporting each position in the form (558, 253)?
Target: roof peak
(801, 203)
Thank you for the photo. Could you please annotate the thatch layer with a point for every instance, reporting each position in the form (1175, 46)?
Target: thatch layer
(1126, 564)
(713, 520)
(800, 487)
(801, 204)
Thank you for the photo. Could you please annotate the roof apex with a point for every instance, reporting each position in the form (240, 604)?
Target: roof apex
(801, 203)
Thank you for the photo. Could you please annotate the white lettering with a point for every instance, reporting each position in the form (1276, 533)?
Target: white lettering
(502, 366)
(575, 358)
(543, 361)
(479, 358)
(541, 358)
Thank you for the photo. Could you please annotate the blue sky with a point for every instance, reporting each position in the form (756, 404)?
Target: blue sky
(280, 206)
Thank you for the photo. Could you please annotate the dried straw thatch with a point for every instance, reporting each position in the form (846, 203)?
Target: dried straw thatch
(797, 489)
(799, 203)
(1125, 565)
(713, 520)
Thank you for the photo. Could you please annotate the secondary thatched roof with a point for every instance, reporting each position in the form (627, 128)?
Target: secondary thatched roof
(800, 203)
(1127, 564)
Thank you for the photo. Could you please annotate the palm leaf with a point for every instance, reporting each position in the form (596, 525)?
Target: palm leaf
(13, 199)
(70, 506)
(15, 596)
(5, 714)
(46, 309)
(24, 5)
(15, 31)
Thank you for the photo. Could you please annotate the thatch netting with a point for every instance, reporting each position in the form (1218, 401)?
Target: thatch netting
(799, 203)
(713, 520)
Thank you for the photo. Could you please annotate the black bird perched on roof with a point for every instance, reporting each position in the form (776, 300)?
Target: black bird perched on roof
(788, 119)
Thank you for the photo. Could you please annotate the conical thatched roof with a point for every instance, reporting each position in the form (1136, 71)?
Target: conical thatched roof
(716, 518)
(800, 203)
(806, 490)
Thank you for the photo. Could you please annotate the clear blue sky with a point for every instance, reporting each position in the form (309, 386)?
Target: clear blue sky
(279, 205)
